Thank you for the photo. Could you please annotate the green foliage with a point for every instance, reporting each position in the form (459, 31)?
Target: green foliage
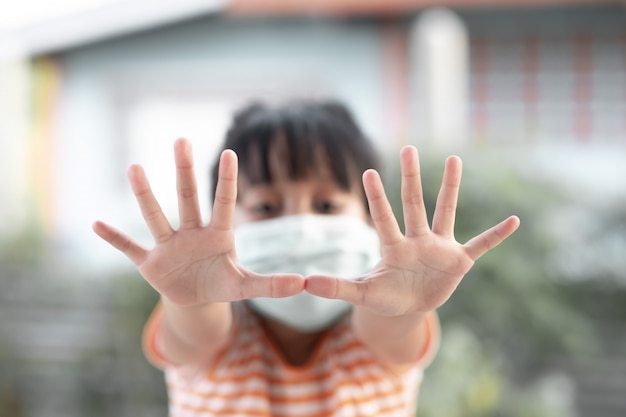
(117, 378)
(77, 336)
(27, 246)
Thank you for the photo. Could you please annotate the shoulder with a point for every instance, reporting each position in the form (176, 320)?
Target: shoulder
(245, 326)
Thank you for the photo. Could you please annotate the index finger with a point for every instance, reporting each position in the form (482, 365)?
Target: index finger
(380, 209)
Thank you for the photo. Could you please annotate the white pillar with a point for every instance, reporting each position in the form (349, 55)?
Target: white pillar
(14, 139)
(439, 60)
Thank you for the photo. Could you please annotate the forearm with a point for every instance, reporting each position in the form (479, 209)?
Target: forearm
(192, 334)
(397, 340)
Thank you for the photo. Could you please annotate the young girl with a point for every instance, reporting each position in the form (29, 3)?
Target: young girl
(301, 296)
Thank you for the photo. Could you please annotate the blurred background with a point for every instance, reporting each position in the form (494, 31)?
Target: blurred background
(531, 94)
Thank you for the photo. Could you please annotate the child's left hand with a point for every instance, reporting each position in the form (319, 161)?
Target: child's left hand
(420, 270)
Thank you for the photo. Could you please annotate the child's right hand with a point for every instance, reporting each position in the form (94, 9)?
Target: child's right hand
(197, 263)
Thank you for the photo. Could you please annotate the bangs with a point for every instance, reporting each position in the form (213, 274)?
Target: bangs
(296, 153)
(297, 141)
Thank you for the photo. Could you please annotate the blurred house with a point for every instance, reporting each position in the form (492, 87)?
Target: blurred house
(84, 95)
(118, 83)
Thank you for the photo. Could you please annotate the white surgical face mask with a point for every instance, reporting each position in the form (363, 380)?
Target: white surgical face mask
(340, 246)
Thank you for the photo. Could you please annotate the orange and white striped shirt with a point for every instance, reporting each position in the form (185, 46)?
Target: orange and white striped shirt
(250, 378)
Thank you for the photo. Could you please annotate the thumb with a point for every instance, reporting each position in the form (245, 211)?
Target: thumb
(270, 285)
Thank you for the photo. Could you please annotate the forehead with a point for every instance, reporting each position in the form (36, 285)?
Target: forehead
(321, 179)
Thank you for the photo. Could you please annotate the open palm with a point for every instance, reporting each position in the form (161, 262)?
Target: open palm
(197, 263)
(422, 268)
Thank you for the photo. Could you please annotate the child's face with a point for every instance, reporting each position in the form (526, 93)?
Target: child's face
(318, 193)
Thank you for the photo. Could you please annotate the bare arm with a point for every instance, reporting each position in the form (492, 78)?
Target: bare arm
(194, 269)
(397, 340)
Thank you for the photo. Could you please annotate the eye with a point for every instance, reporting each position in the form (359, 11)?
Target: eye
(260, 202)
(327, 207)
(265, 208)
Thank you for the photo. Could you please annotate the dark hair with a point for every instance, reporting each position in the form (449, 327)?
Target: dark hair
(310, 133)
